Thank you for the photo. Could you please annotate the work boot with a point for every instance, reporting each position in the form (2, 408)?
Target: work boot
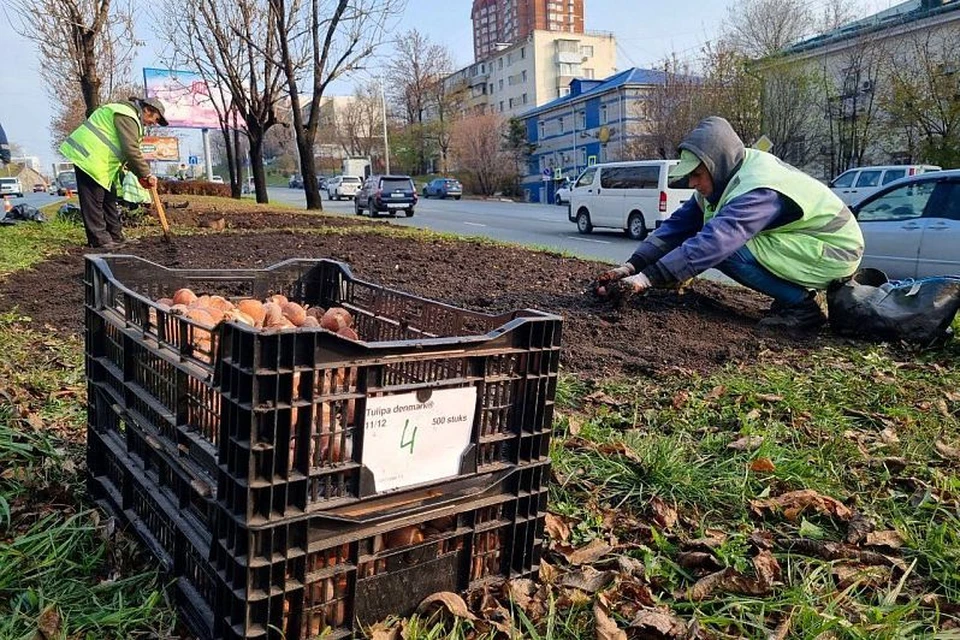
(804, 316)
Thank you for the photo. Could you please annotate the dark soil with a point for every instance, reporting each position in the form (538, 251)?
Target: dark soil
(705, 326)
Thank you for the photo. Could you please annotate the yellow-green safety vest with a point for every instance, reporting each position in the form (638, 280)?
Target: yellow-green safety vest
(94, 146)
(825, 244)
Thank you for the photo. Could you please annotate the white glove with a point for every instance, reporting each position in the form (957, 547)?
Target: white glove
(638, 283)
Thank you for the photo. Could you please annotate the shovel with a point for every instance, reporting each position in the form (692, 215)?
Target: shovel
(160, 213)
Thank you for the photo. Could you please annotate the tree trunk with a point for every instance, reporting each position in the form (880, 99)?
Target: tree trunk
(308, 165)
(89, 80)
(255, 136)
(231, 169)
(237, 164)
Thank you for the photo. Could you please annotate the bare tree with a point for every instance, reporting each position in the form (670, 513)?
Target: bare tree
(477, 146)
(670, 110)
(852, 108)
(338, 36)
(235, 43)
(924, 99)
(834, 14)
(759, 28)
(419, 65)
(359, 128)
(786, 120)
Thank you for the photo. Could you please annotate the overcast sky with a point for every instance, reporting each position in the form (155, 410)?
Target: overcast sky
(645, 35)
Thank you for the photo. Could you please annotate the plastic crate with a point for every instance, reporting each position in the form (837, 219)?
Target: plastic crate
(277, 419)
(324, 573)
(247, 459)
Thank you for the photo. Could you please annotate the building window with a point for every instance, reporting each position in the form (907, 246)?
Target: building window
(523, 52)
(603, 153)
(603, 114)
(588, 73)
(491, 88)
(500, 63)
(568, 69)
(523, 76)
(511, 103)
(563, 91)
(581, 120)
(524, 98)
(540, 128)
(501, 106)
(581, 156)
(500, 84)
(560, 124)
(587, 50)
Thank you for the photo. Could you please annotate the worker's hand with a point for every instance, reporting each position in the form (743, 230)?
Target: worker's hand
(635, 284)
(150, 182)
(624, 270)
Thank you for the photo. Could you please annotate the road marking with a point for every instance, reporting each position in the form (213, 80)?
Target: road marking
(588, 240)
(474, 224)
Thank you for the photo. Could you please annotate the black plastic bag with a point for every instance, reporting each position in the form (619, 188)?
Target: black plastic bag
(69, 212)
(868, 305)
(22, 213)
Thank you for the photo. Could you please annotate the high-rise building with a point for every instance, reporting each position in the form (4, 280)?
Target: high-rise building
(504, 22)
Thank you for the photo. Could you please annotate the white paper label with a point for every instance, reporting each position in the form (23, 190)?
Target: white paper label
(407, 442)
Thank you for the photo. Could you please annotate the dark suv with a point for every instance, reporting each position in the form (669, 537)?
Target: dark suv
(386, 194)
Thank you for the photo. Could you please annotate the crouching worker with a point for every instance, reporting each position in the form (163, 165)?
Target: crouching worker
(763, 223)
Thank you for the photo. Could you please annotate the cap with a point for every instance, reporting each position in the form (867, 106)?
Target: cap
(688, 162)
(154, 104)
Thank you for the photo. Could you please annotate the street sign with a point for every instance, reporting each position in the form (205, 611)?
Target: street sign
(558, 174)
(591, 160)
(194, 159)
(763, 143)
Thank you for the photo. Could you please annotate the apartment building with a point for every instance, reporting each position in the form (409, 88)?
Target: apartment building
(596, 121)
(504, 22)
(532, 72)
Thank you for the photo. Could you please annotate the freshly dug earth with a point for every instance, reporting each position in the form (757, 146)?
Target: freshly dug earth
(696, 330)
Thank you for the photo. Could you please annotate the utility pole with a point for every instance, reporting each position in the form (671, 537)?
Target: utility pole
(386, 142)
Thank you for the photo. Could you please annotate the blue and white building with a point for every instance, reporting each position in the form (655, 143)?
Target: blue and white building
(594, 123)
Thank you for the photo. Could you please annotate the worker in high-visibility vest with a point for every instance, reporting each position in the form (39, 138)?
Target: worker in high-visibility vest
(100, 148)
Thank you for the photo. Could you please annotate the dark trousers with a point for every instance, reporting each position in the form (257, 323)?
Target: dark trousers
(101, 219)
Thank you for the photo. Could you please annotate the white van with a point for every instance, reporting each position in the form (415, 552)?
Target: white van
(11, 187)
(856, 184)
(340, 187)
(632, 196)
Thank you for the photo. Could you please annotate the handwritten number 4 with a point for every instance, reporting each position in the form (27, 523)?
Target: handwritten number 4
(404, 443)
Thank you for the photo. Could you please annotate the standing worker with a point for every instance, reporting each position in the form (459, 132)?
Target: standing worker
(100, 148)
(758, 220)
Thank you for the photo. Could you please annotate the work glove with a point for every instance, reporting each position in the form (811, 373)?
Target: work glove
(635, 284)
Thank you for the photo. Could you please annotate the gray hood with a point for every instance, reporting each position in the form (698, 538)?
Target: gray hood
(719, 148)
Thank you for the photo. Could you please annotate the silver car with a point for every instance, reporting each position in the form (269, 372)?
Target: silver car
(911, 227)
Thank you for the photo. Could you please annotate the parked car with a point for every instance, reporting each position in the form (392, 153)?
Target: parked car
(322, 183)
(443, 188)
(217, 179)
(295, 182)
(562, 196)
(856, 184)
(911, 227)
(632, 196)
(38, 187)
(386, 194)
(11, 187)
(340, 187)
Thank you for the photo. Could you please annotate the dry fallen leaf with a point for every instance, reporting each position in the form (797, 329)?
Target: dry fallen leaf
(557, 528)
(871, 577)
(712, 538)
(619, 448)
(890, 539)
(732, 581)
(452, 602)
(889, 436)
(746, 443)
(716, 392)
(946, 451)
(599, 397)
(680, 399)
(588, 579)
(590, 553)
(858, 528)
(574, 424)
(548, 573)
(658, 624)
(606, 628)
(48, 624)
(762, 465)
(664, 514)
(384, 631)
(795, 503)
(697, 560)
(769, 397)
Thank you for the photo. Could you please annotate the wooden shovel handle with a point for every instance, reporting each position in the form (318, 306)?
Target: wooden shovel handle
(160, 212)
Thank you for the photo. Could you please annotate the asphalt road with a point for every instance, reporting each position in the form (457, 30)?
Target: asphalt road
(538, 225)
(35, 199)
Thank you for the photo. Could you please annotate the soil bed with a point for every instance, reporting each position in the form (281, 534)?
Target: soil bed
(697, 330)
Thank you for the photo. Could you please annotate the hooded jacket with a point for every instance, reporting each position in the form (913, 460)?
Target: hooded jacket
(765, 206)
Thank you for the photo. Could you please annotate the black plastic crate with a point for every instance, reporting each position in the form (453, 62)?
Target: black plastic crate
(332, 572)
(278, 419)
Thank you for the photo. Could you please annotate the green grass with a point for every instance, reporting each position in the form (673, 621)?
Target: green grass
(859, 423)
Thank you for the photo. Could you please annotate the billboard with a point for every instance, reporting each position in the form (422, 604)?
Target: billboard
(185, 95)
(162, 148)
